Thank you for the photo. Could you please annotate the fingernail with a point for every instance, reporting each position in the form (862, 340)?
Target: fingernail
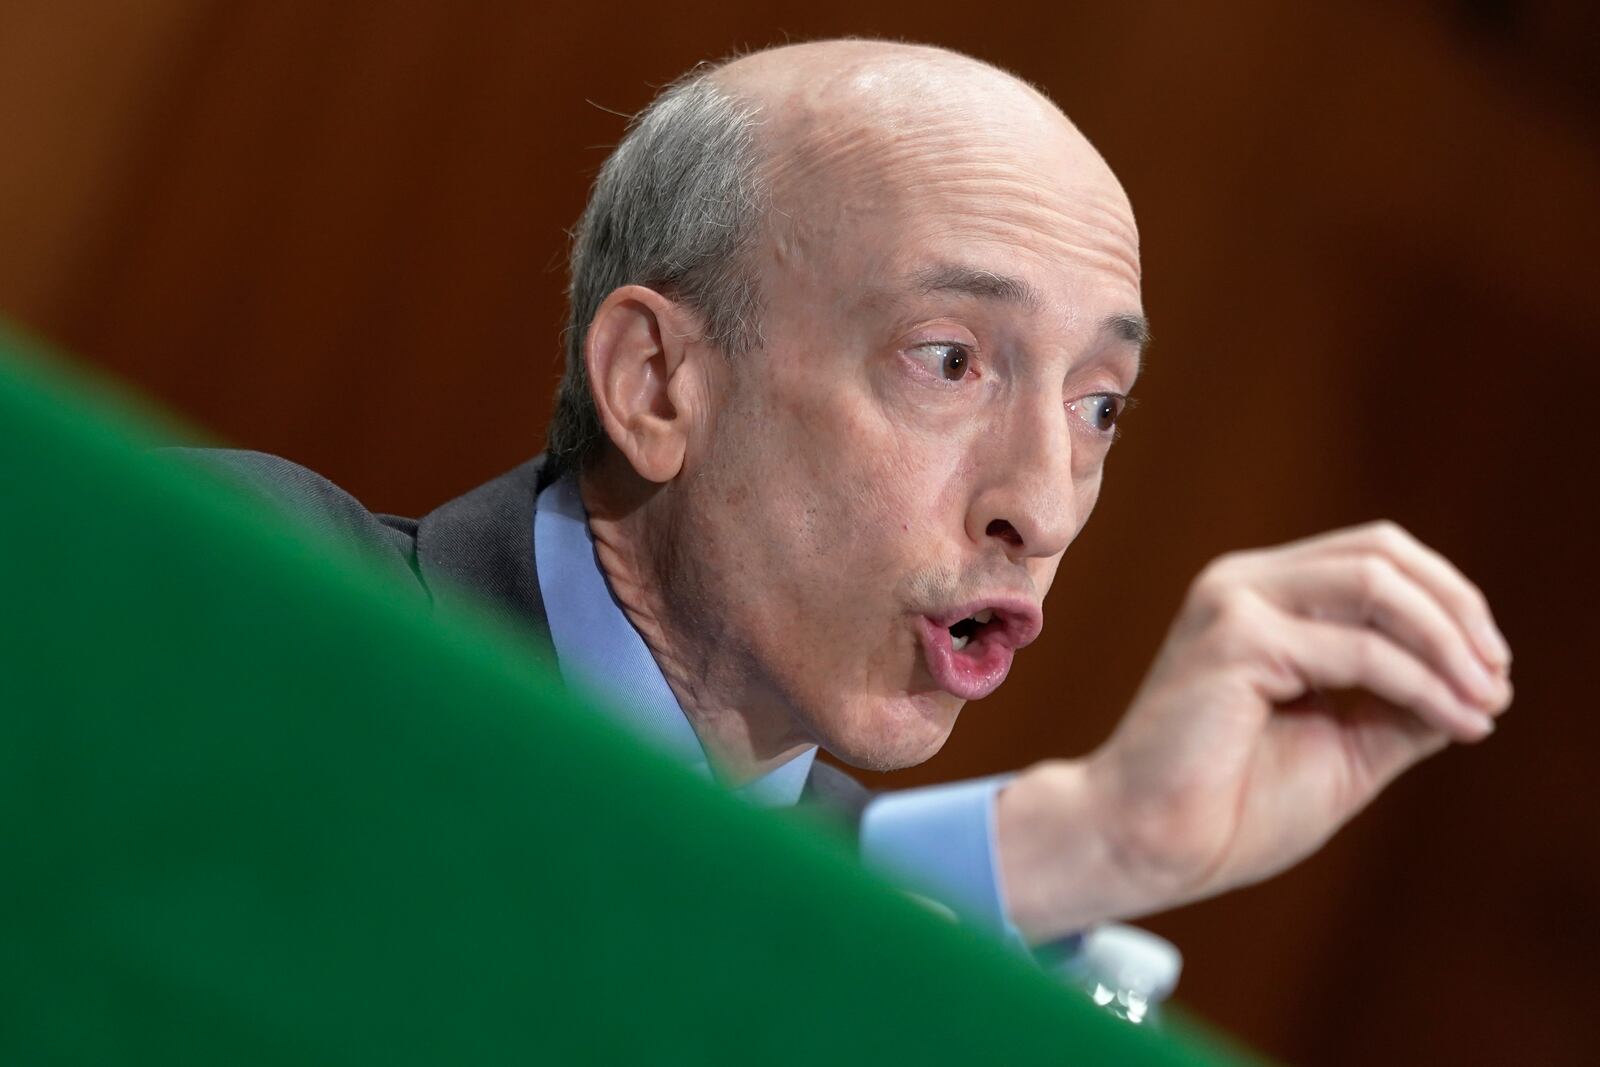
(1492, 644)
(1486, 726)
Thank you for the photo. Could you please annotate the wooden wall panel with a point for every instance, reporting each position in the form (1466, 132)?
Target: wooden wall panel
(337, 232)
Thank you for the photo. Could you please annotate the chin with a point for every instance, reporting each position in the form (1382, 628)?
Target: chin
(890, 733)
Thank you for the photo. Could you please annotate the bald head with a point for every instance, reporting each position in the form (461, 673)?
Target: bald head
(827, 108)
(840, 69)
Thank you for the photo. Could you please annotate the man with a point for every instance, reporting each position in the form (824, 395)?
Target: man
(852, 324)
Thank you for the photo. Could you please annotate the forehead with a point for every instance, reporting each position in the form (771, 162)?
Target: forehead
(873, 206)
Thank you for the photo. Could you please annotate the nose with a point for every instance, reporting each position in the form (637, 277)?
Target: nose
(1025, 501)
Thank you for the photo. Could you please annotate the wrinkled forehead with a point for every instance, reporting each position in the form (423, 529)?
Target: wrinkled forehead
(1012, 190)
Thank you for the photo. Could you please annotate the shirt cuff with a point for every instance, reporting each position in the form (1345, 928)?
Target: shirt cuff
(939, 842)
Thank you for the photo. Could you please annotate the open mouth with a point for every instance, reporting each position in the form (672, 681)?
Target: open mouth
(969, 650)
(964, 631)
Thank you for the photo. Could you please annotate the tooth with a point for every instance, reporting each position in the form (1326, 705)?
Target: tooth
(986, 615)
(958, 643)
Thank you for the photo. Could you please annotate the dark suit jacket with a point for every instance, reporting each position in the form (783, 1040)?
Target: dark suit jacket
(477, 548)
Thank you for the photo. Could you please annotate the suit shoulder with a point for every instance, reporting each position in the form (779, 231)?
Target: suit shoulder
(309, 496)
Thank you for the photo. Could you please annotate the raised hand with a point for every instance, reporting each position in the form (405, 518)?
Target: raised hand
(1295, 683)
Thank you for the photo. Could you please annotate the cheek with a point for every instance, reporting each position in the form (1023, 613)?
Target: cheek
(836, 495)
(878, 485)
(810, 507)
(1086, 492)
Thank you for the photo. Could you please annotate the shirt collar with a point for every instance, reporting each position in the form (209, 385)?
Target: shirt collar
(599, 650)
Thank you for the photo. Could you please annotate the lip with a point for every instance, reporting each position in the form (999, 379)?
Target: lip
(977, 670)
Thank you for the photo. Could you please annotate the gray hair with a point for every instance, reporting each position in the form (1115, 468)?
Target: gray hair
(676, 207)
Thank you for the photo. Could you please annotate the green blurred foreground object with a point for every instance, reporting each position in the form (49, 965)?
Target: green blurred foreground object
(259, 808)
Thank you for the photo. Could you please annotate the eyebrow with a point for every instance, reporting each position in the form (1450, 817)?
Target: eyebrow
(969, 281)
(1131, 327)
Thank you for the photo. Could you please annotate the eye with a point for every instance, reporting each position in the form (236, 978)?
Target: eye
(947, 359)
(1100, 410)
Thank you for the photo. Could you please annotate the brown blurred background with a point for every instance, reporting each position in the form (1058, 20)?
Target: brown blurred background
(336, 232)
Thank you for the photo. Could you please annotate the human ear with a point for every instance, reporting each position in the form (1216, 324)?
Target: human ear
(638, 356)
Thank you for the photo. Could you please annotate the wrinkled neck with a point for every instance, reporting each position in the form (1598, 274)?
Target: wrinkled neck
(744, 732)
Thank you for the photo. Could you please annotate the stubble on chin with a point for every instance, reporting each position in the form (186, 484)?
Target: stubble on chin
(899, 732)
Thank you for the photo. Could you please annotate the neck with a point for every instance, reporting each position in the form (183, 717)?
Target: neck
(745, 732)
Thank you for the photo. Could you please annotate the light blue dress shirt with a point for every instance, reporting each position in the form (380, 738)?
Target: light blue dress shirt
(937, 842)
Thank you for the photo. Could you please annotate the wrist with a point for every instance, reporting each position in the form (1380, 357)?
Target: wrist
(1059, 867)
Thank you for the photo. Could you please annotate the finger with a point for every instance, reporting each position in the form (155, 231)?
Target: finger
(1329, 655)
(1388, 740)
(1368, 590)
(1463, 600)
